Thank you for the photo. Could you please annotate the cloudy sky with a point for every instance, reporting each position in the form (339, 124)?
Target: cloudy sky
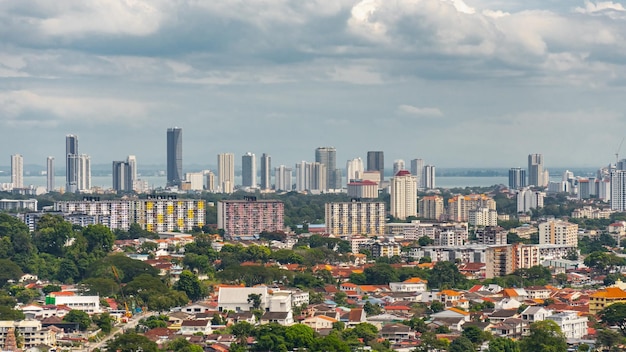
(467, 83)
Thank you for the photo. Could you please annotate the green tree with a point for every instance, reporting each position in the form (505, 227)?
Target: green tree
(332, 343)
(446, 275)
(503, 344)
(436, 306)
(10, 271)
(242, 331)
(608, 338)
(255, 300)
(51, 288)
(475, 335)
(131, 342)
(104, 321)
(80, 317)
(99, 238)
(614, 315)
(52, 234)
(182, 345)
(425, 241)
(8, 313)
(462, 344)
(189, 283)
(380, 274)
(429, 342)
(365, 331)
(545, 336)
(299, 336)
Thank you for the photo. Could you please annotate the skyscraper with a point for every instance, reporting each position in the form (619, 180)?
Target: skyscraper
(50, 174)
(84, 172)
(282, 175)
(354, 169)
(71, 163)
(429, 177)
(417, 170)
(618, 190)
(248, 170)
(132, 163)
(403, 195)
(266, 171)
(124, 174)
(398, 165)
(17, 171)
(226, 172)
(376, 162)
(535, 170)
(517, 178)
(310, 176)
(328, 157)
(174, 156)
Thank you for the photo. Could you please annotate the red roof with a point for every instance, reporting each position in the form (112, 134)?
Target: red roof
(403, 173)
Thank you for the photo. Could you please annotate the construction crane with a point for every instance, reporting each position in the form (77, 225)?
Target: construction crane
(617, 152)
(128, 313)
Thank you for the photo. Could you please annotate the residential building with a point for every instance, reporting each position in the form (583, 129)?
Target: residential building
(354, 170)
(355, 218)
(528, 199)
(499, 261)
(431, 207)
(236, 298)
(483, 217)
(403, 195)
(618, 190)
(248, 170)
(414, 284)
(266, 172)
(17, 171)
(31, 332)
(526, 256)
(534, 314)
(385, 249)
(398, 165)
(250, 217)
(282, 176)
(226, 172)
(363, 189)
(50, 173)
(460, 205)
(592, 213)
(194, 181)
(491, 235)
(604, 298)
(558, 232)
(535, 171)
(376, 162)
(327, 156)
(517, 178)
(209, 184)
(18, 204)
(429, 177)
(417, 169)
(174, 156)
(124, 174)
(310, 177)
(71, 163)
(572, 325)
(84, 172)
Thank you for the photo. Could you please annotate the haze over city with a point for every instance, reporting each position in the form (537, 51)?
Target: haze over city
(472, 83)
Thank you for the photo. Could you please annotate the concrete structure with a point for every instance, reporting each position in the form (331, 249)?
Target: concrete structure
(226, 172)
(417, 169)
(17, 171)
(194, 181)
(71, 163)
(604, 298)
(431, 207)
(31, 331)
(535, 170)
(327, 156)
(250, 217)
(236, 298)
(84, 172)
(517, 178)
(354, 170)
(266, 172)
(558, 232)
(403, 195)
(398, 165)
(363, 189)
(87, 304)
(50, 173)
(376, 162)
(498, 261)
(174, 156)
(572, 325)
(483, 217)
(248, 170)
(385, 249)
(429, 177)
(155, 214)
(528, 199)
(18, 204)
(209, 182)
(311, 177)
(491, 235)
(460, 205)
(283, 178)
(414, 284)
(124, 174)
(618, 190)
(355, 218)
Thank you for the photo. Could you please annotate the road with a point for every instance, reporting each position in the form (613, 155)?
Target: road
(132, 323)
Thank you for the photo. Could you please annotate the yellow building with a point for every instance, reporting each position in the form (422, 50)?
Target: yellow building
(431, 207)
(605, 297)
(460, 206)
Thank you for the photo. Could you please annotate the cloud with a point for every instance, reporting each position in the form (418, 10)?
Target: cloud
(410, 110)
(598, 6)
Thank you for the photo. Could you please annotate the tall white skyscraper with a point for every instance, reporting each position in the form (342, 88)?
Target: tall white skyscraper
(618, 190)
(50, 174)
(132, 164)
(535, 170)
(266, 171)
(310, 176)
(282, 175)
(417, 170)
(354, 169)
(226, 172)
(328, 157)
(398, 165)
(248, 170)
(84, 172)
(17, 171)
(429, 177)
(403, 195)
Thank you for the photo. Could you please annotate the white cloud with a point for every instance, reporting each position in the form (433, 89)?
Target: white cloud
(598, 6)
(410, 110)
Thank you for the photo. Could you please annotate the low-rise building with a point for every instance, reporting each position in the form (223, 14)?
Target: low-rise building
(572, 325)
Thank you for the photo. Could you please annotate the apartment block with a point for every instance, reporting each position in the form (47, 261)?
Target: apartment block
(558, 232)
(431, 207)
(459, 206)
(355, 218)
(250, 216)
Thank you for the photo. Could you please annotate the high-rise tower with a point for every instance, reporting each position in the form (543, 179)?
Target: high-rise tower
(266, 171)
(327, 156)
(398, 165)
(71, 163)
(17, 171)
(376, 162)
(174, 156)
(50, 174)
(417, 170)
(517, 178)
(248, 170)
(226, 172)
(403, 195)
(535, 170)
(354, 169)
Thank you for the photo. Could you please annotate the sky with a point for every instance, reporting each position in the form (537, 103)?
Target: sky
(458, 83)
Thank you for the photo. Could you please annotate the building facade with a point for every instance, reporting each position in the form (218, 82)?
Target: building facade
(429, 177)
(355, 218)
(266, 171)
(283, 178)
(50, 174)
(71, 163)
(417, 169)
(226, 172)
(248, 170)
(535, 170)
(459, 206)
(174, 156)
(376, 162)
(327, 156)
(403, 195)
(558, 232)
(517, 178)
(363, 189)
(431, 207)
(17, 171)
(250, 217)
(354, 170)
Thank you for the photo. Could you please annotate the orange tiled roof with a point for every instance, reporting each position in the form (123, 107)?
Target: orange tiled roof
(610, 292)
(414, 280)
(450, 293)
(456, 310)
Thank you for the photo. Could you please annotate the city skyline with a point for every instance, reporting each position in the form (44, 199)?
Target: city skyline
(400, 77)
